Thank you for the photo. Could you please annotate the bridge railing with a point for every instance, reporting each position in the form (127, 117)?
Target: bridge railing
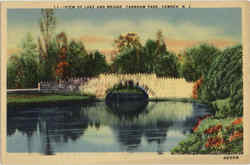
(72, 84)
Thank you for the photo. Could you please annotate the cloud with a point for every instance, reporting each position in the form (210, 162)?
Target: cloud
(179, 46)
(146, 29)
(101, 36)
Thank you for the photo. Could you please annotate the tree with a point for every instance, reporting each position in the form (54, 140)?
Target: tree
(47, 28)
(84, 64)
(62, 70)
(168, 65)
(23, 70)
(47, 44)
(153, 58)
(223, 84)
(75, 58)
(127, 41)
(126, 62)
(94, 64)
(197, 61)
(161, 46)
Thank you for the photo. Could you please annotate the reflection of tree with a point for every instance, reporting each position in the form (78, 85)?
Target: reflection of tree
(66, 124)
(23, 121)
(129, 136)
(55, 125)
(11, 126)
(157, 133)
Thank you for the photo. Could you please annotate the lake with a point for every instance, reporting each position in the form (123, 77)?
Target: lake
(95, 127)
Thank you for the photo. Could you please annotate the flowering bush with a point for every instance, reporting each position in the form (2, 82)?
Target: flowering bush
(214, 142)
(196, 86)
(218, 138)
(195, 128)
(214, 129)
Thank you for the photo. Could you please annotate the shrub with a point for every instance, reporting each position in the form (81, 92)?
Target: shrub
(196, 87)
(223, 84)
(197, 61)
(127, 86)
(220, 137)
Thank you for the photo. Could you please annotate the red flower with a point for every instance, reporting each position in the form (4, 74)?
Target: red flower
(213, 129)
(236, 135)
(214, 142)
(238, 121)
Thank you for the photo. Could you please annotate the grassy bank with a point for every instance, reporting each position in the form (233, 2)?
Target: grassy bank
(185, 100)
(45, 98)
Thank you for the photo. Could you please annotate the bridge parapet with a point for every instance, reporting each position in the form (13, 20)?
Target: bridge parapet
(156, 87)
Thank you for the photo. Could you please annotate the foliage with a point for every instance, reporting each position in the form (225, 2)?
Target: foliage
(197, 61)
(126, 86)
(215, 137)
(223, 83)
(62, 71)
(126, 62)
(168, 66)
(153, 57)
(196, 86)
(47, 45)
(48, 64)
(47, 28)
(127, 41)
(62, 61)
(75, 58)
(23, 70)
(95, 64)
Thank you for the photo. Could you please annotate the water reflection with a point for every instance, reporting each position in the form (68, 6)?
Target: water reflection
(74, 128)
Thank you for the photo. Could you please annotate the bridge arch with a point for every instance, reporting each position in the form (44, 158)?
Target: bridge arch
(156, 87)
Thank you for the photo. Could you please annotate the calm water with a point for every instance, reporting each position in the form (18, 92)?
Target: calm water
(97, 128)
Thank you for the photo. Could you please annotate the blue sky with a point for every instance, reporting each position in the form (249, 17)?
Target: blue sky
(97, 28)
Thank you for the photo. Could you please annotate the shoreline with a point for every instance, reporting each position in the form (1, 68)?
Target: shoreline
(15, 101)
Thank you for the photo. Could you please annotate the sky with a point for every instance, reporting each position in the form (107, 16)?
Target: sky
(97, 28)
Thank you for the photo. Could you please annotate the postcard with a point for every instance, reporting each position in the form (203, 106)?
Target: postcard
(124, 82)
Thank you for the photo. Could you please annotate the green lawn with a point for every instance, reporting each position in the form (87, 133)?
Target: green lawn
(44, 98)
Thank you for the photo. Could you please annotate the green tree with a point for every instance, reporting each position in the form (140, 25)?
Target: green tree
(153, 58)
(94, 64)
(75, 57)
(197, 61)
(223, 84)
(126, 62)
(168, 65)
(23, 70)
(84, 64)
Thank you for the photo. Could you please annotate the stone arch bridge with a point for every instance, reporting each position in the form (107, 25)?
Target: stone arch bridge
(156, 87)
